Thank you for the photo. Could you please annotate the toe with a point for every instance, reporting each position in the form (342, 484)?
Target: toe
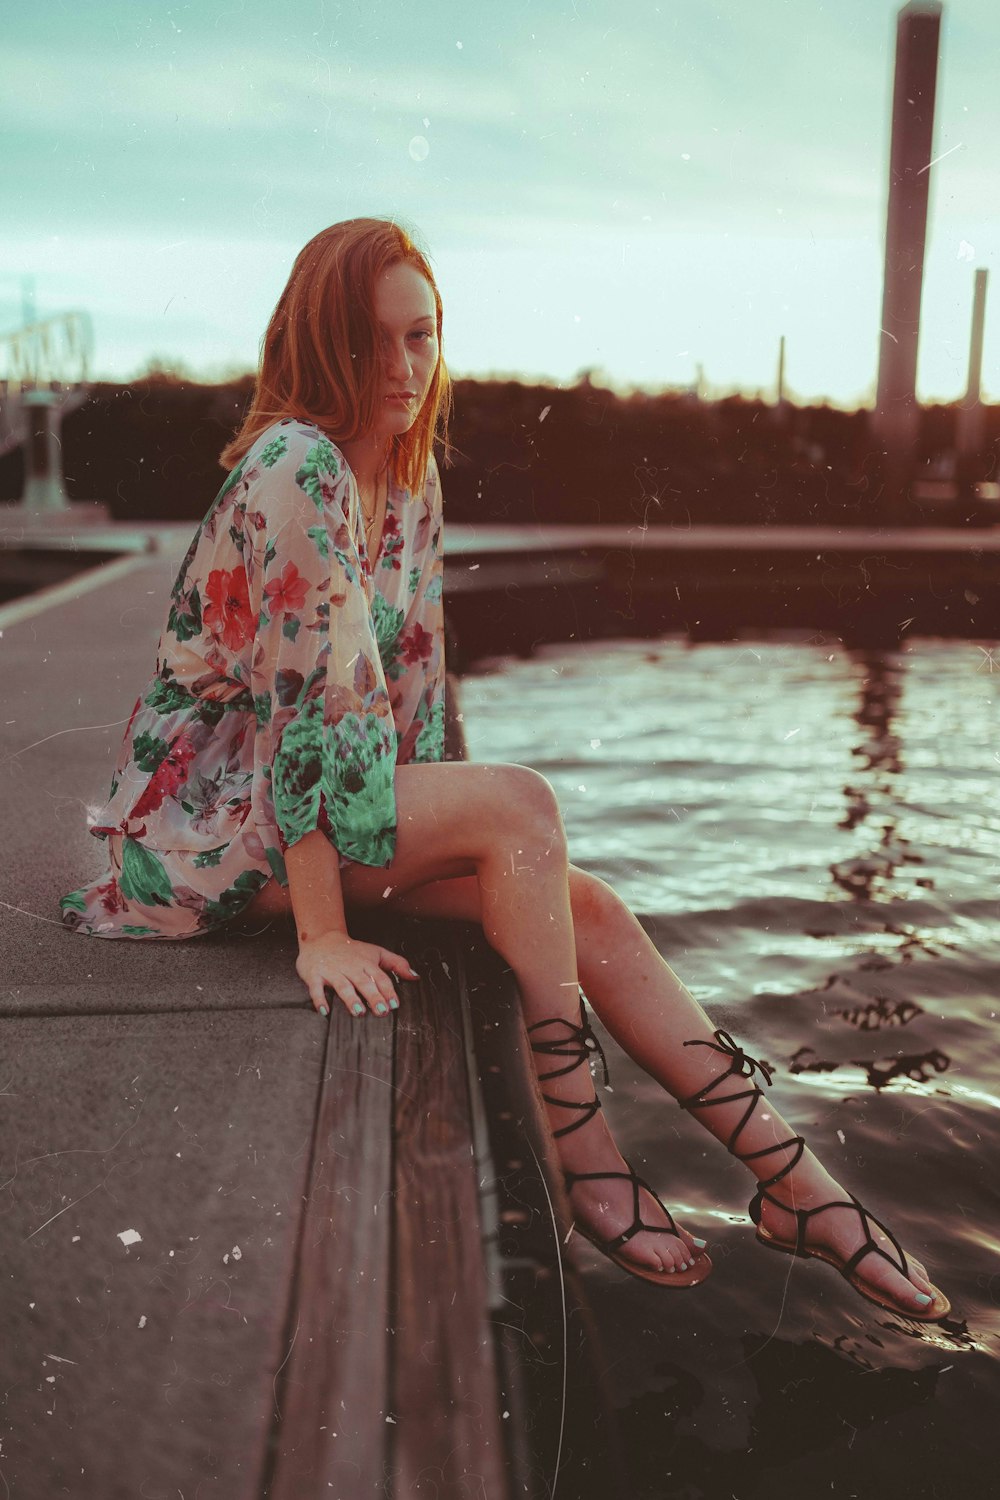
(681, 1254)
(646, 1250)
(915, 1281)
(888, 1283)
(920, 1279)
(693, 1248)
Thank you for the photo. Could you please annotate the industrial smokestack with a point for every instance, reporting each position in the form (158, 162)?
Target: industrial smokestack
(918, 26)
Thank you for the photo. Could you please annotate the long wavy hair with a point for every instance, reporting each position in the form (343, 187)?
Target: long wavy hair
(320, 355)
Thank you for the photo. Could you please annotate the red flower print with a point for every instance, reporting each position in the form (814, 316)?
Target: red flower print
(227, 613)
(288, 592)
(112, 899)
(168, 778)
(415, 645)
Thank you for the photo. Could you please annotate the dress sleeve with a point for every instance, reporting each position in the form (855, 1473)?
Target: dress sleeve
(421, 647)
(325, 744)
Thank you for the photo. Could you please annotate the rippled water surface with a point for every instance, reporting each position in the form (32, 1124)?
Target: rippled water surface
(812, 838)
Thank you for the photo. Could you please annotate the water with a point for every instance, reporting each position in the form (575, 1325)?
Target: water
(812, 838)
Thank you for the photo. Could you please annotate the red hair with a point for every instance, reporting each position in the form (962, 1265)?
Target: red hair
(321, 351)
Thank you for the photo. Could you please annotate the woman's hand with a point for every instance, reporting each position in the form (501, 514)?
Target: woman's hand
(354, 970)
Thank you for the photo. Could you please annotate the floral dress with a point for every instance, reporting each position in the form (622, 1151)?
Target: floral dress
(292, 676)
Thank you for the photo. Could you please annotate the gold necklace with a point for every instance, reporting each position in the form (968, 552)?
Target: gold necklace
(375, 522)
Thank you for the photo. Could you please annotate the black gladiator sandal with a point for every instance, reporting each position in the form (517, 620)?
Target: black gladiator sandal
(576, 1045)
(743, 1066)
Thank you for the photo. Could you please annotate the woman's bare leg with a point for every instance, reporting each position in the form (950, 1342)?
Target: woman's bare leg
(503, 823)
(651, 1014)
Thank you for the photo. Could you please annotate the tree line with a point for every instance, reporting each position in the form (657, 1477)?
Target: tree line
(527, 454)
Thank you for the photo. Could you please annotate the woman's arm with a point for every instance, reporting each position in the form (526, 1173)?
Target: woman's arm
(325, 741)
(314, 887)
(356, 971)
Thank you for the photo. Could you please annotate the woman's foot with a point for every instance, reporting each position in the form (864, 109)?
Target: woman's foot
(611, 1205)
(839, 1232)
(605, 1207)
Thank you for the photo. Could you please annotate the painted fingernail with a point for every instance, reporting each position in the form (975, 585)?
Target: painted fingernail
(393, 1004)
(700, 1243)
(380, 1008)
(358, 1008)
(923, 1299)
(323, 1011)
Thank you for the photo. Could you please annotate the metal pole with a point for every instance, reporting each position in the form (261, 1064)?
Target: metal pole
(896, 416)
(43, 486)
(970, 416)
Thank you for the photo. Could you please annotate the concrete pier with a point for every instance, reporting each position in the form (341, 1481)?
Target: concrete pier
(248, 1250)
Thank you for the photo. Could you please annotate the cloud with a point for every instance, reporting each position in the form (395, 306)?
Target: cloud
(740, 145)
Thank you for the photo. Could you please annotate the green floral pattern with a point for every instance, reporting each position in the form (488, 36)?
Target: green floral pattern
(293, 675)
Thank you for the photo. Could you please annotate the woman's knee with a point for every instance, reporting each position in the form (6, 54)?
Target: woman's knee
(595, 904)
(523, 804)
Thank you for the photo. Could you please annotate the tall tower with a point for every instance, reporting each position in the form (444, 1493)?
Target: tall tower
(918, 26)
(970, 413)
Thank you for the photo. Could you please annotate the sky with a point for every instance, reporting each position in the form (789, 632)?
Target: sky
(632, 188)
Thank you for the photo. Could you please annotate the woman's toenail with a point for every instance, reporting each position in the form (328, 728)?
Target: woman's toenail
(700, 1243)
(923, 1299)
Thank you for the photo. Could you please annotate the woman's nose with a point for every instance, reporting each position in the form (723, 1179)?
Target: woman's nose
(397, 363)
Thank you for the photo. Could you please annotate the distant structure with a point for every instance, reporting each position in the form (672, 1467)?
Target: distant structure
(44, 373)
(918, 26)
(969, 436)
(782, 405)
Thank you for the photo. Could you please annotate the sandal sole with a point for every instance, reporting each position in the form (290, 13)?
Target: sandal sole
(939, 1308)
(678, 1281)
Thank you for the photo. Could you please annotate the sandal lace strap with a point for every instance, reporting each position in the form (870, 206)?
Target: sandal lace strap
(637, 1221)
(577, 1045)
(803, 1215)
(742, 1065)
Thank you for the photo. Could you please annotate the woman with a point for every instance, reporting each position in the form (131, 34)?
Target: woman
(286, 756)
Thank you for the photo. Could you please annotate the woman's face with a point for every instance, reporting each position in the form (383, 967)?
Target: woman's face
(405, 309)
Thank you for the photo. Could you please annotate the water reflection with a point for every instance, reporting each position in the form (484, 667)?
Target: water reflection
(878, 1071)
(882, 1011)
(803, 1399)
(810, 836)
(879, 754)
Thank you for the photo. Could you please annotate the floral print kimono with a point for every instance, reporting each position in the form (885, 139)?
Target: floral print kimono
(292, 676)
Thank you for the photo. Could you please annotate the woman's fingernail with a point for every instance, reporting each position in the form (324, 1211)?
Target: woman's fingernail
(923, 1299)
(393, 1004)
(358, 1008)
(323, 1011)
(380, 1008)
(700, 1243)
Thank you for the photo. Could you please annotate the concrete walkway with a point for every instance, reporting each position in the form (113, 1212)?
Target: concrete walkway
(227, 1226)
(158, 1105)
